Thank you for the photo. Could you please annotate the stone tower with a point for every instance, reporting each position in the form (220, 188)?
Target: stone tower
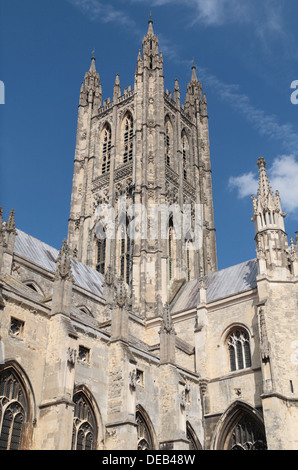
(142, 205)
(277, 313)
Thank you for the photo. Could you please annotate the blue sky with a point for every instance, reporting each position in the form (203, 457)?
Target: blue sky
(246, 53)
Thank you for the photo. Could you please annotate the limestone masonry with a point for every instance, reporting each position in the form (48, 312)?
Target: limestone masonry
(131, 342)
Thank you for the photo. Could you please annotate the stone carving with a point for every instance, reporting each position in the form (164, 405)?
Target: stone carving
(71, 356)
(63, 270)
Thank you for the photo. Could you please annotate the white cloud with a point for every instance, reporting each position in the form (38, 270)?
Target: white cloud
(103, 11)
(266, 125)
(283, 176)
(264, 16)
(245, 184)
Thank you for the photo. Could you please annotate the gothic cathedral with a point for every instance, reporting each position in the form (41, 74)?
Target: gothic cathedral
(129, 338)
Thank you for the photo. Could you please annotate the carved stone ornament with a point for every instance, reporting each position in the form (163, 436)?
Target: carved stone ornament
(265, 346)
(183, 399)
(121, 294)
(133, 379)
(71, 356)
(63, 270)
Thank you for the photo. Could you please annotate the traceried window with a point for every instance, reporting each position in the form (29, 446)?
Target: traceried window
(194, 443)
(125, 252)
(128, 138)
(84, 424)
(145, 441)
(170, 248)
(185, 155)
(106, 149)
(247, 435)
(13, 411)
(239, 349)
(168, 142)
(101, 255)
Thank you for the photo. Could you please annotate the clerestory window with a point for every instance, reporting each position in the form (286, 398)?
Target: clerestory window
(185, 155)
(239, 349)
(128, 138)
(106, 150)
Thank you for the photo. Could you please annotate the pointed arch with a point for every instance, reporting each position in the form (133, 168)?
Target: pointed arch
(106, 147)
(127, 130)
(33, 285)
(171, 249)
(168, 141)
(87, 422)
(194, 443)
(124, 249)
(185, 153)
(17, 407)
(85, 310)
(241, 427)
(146, 434)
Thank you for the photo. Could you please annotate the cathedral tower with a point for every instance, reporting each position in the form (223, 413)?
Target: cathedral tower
(141, 203)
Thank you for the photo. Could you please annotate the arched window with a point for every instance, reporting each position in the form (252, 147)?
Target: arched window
(185, 155)
(13, 411)
(194, 443)
(247, 435)
(128, 138)
(125, 252)
(241, 427)
(239, 349)
(145, 439)
(84, 424)
(106, 149)
(188, 260)
(101, 255)
(170, 248)
(168, 142)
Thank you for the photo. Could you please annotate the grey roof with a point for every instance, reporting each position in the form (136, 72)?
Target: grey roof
(45, 256)
(221, 284)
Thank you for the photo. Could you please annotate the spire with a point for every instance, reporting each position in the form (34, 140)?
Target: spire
(10, 224)
(267, 207)
(117, 89)
(150, 27)
(271, 239)
(91, 88)
(194, 77)
(264, 187)
(2, 230)
(194, 92)
(152, 57)
(177, 93)
(92, 66)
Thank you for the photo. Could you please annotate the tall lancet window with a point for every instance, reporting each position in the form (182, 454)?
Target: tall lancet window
(101, 255)
(168, 142)
(171, 249)
(128, 138)
(106, 149)
(185, 155)
(125, 252)
(84, 424)
(13, 411)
